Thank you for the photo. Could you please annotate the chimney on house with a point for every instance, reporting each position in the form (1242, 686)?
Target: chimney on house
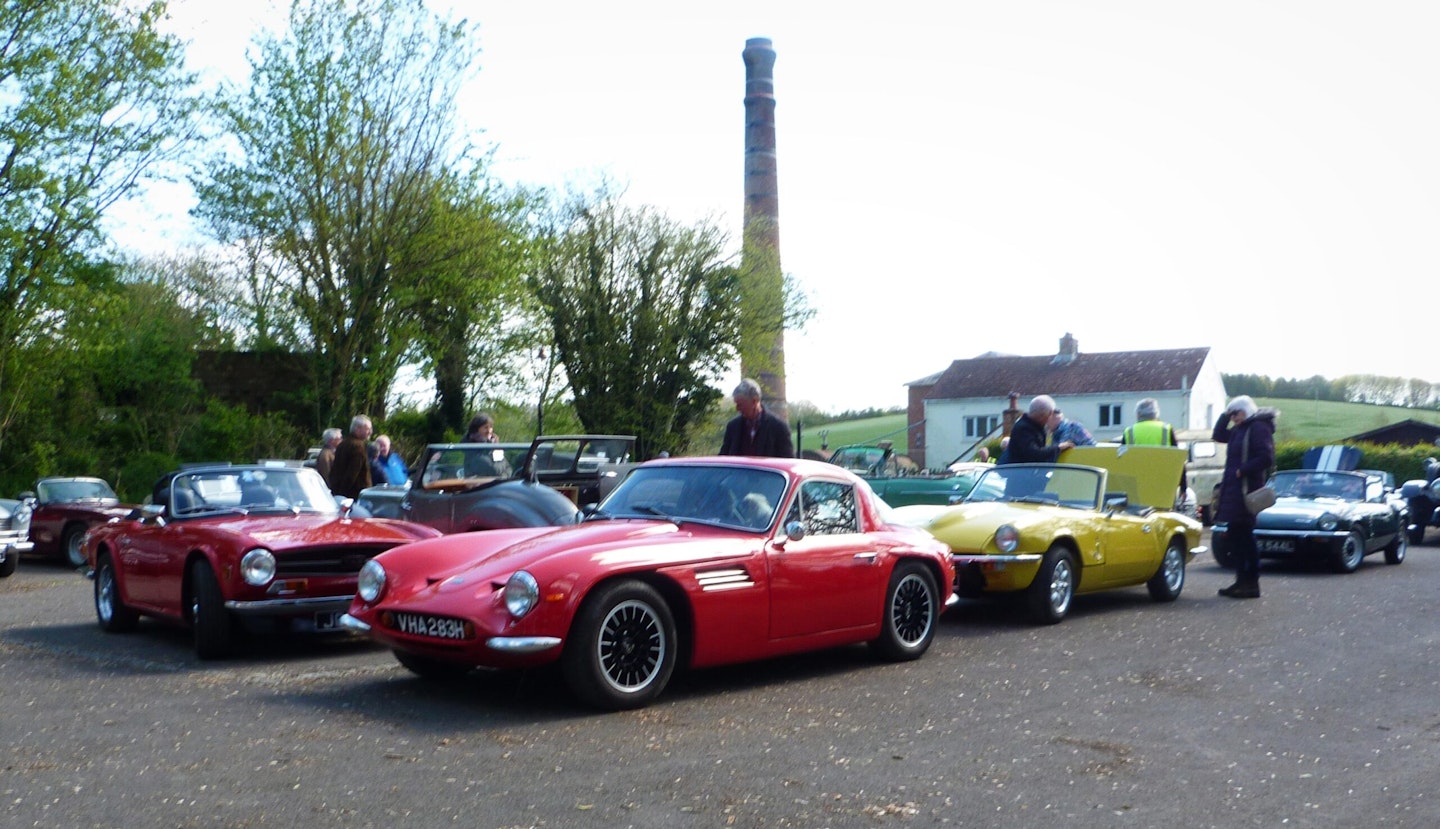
(763, 283)
(1069, 350)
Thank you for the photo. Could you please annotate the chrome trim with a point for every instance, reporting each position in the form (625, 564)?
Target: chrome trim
(351, 623)
(20, 547)
(981, 558)
(953, 600)
(729, 578)
(522, 644)
(280, 607)
(1199, 551)
(1303, 535)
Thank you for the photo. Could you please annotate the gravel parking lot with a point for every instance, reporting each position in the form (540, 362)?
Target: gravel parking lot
(1315, 706)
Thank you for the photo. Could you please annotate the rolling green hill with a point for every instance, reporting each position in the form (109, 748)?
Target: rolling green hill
(1310, 421)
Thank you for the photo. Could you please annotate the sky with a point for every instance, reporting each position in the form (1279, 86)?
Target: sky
(1260, 178)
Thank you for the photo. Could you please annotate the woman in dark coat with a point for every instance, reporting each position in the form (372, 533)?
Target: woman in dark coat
(1250, 435)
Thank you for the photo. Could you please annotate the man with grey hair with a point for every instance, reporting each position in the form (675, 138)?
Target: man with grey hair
(1027, 436)
(755, 432)
(329, 439)
(1150, 430)
(351, 471)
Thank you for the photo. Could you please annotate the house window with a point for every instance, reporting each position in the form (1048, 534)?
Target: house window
(1109, 415)
(980, 425)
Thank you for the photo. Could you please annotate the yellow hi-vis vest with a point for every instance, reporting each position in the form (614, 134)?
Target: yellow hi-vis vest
(1149, 433)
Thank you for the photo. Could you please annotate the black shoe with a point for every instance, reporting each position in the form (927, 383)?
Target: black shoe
(1241, 591)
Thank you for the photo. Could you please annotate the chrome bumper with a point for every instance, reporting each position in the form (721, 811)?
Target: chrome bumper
(288, 607)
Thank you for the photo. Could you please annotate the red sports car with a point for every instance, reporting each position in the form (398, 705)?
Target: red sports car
(224, 546)
(65, 509)
(693, 561)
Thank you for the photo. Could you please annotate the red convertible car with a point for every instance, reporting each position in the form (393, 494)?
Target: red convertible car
(223, 546)
(689, 562)
(65, 509)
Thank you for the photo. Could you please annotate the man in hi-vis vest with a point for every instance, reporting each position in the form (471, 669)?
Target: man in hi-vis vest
(1150, 430)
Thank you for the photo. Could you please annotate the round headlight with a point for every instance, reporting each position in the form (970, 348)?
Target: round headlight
(1328, 522)
(372, 581)
(257, 567)
(521, 593)
(1007, 538)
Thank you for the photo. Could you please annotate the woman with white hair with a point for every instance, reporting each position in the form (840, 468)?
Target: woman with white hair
(1249, 432)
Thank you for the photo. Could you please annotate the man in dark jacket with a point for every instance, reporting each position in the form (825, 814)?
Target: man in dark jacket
(350, 472)
(1027, 436)
(1249, 433)
(754, 431)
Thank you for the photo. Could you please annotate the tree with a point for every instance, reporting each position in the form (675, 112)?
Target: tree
(345, 144)
(94, 99)
(645, 317)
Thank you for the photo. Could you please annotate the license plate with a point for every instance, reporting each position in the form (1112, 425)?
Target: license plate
(1271, 546)
(327, 621)
(436, 626)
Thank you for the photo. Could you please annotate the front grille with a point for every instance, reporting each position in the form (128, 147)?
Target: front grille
(325, 561)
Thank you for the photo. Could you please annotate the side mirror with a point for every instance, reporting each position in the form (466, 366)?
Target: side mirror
(1117, 503)
(795, 531)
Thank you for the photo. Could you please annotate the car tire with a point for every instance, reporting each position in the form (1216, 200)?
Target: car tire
(214, 629)
(912, 610)
(1395, 551)
(110, 610)
(621, 649)
(1169, 580)
(8, 564)
(432, 669)
(1053, 589)
(72, 545)
(1352, 551)
(1220, 551)
(1417, 535)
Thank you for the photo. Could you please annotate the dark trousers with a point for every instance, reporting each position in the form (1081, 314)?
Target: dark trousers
(1243, 551)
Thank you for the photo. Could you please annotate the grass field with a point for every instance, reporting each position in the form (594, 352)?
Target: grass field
(1314, 421)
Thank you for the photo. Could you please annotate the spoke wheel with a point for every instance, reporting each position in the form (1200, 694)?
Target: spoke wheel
(214, 629)
(111, 611)
(912, 607)
(74, 545)
(1350, 554)
(1169, 580)
(621, 650)
(1054, 587)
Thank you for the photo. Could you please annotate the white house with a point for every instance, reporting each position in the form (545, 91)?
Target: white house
(952, 410)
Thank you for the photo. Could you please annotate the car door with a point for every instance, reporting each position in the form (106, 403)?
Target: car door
(832, 579)
(1129, 549)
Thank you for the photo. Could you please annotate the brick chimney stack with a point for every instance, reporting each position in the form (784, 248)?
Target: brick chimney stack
(760, 259)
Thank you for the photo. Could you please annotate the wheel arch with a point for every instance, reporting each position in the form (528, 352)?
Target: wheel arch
(187, 585)
(681, 611)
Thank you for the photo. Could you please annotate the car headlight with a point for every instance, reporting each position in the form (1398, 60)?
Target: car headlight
(521, 593)
(371, 583)
(257, 567)
(1007, 538)
(1328, 522)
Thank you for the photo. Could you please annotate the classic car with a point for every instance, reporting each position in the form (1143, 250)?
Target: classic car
(1340, 517)
(464, 487)
(1422, 497)
(14, 533)
(1057, 530)
(690, 562)
(65, 509)
(902, 486)
(229, 548)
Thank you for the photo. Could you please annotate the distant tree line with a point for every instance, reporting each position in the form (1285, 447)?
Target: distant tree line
(1410, 393)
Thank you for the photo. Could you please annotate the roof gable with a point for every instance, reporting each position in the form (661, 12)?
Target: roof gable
(1111, 372)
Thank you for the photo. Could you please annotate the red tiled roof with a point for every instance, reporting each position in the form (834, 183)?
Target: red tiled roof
(1116, 371)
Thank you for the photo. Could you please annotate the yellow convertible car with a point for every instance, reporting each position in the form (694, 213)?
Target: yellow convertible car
(1103, 519)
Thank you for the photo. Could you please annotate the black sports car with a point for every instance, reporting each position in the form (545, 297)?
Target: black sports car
(1340, 516)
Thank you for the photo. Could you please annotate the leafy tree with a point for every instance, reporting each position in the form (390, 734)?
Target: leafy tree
(344, 147)
(94, 99)
(644, 315)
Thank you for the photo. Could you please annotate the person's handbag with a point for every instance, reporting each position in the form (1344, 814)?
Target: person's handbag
(1262, 498)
